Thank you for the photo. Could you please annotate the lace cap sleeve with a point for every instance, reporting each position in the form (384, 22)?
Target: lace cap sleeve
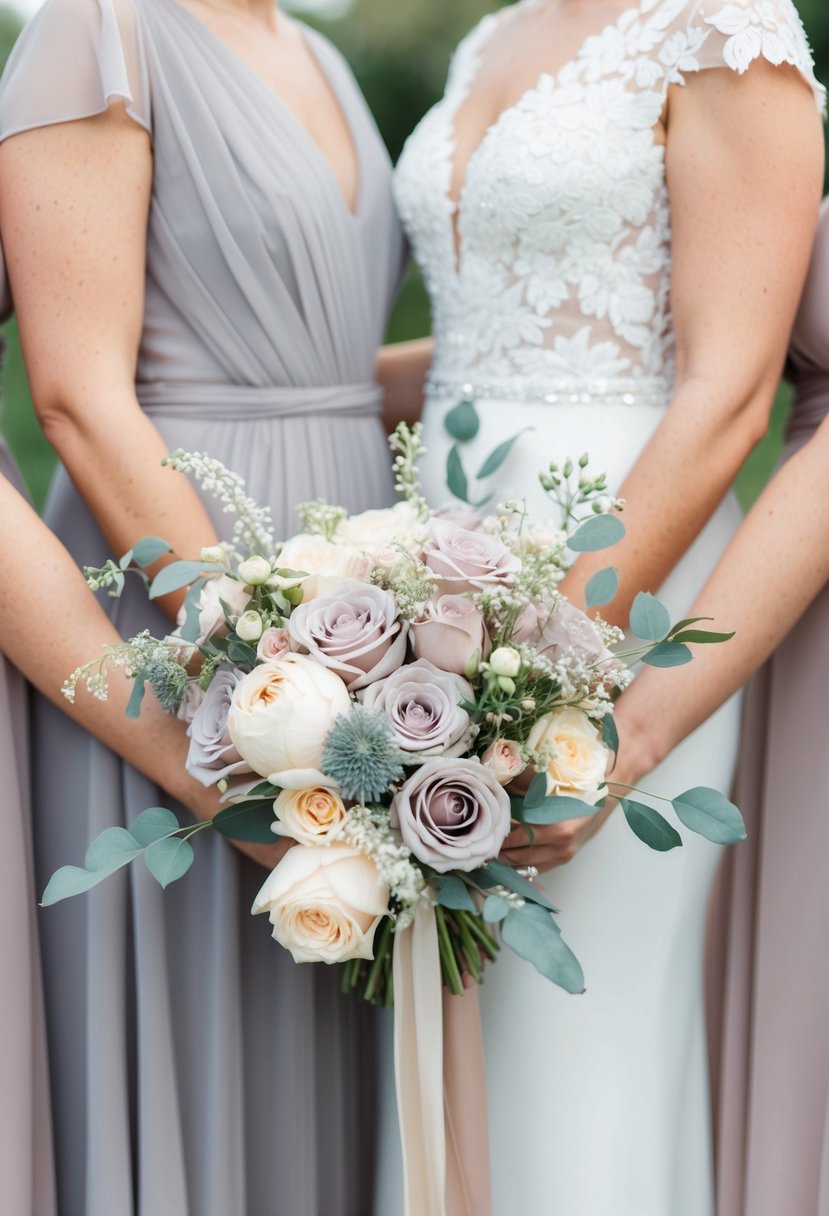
(735, 33)
(71, 61)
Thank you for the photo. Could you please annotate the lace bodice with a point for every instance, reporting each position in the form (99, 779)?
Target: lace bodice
(561, 281)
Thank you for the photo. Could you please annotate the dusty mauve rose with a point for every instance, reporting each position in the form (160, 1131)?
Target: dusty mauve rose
(323, 561)
(554, 632)
(422, 704)
(273, 644)
(452, 631)
(354, 630)
(467, 561)
(506, 760)
(280, 717)
(212, 755)
(324, 904)
(452, 814)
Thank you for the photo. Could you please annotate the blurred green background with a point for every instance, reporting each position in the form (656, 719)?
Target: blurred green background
(400, 52)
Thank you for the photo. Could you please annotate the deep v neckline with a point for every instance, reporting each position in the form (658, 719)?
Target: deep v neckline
(464, 89)
(309, 39)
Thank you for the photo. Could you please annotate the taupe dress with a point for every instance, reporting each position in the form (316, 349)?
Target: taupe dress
(195, 1068)
(771, 996)
(27, 1181)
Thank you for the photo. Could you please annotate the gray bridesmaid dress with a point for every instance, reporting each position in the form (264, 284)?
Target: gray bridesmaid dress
(27, 1182)
(770, 986)
(195, 1069)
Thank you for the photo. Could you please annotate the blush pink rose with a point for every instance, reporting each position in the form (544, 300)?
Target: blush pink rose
(555, 631)
(450, 634)
(467, 561)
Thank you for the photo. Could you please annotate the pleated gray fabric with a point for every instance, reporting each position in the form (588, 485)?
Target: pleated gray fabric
(27, 1182)
(770, 980)
(196, 1070)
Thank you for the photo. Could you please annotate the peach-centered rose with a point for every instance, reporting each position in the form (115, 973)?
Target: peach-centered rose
(314, 816)
(569, 748)
(324, 904)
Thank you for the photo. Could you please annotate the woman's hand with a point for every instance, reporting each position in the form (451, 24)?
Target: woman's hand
(554, 845)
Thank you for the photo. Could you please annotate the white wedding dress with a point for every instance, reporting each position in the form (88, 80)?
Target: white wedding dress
(554, 317)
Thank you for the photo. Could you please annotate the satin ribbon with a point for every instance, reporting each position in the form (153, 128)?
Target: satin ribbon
(441, 1088)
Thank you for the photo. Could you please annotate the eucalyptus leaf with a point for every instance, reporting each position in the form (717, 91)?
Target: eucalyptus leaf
(265, 789)
(533, 934)
(497, 457)
(650, 826)
(536, 792)
(70, 880)
(649, 619)
(174, 577)
(495, 909)
(684, 624)
(133, 709)
(559, 809)
(668, 654)
(152, 824)
(169, 859)
(710, 814)
(499, 874)
(602, 587)
(701, 636)
(462, 421)
(456, 475)
(599, 532)
(249, 820)
(113, 848)
(150, 549)
(454, 893)
(240, 652)
(190, 629)
(610, 733)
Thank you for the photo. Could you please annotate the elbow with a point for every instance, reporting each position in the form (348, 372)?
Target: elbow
(735, 413)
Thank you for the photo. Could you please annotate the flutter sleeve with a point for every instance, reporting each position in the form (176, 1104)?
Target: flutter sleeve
(72, 61)
(734, 34)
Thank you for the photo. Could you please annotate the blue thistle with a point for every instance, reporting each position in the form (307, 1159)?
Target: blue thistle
(168, 680)
(360, 754)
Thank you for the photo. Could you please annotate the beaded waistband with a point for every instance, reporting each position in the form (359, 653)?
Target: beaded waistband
(647, 390)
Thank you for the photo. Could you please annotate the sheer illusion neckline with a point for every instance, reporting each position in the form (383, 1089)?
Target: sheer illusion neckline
(455, 196)
(241, 65)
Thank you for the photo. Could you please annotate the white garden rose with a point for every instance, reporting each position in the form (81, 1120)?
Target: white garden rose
(311, 816)
(280, 717)
(569, 748)
(375, 531)
(211, 611)
(323, 562)
(324, 904)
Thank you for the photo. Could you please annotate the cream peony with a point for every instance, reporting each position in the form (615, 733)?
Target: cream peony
(568, 746)
(323, 561)
(312, 816)
(324, 904)
(281, 714)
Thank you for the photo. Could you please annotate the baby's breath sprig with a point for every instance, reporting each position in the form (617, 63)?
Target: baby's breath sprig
(253, 529)
(369, 830)
(321, 518)
(406, 444)
(410, 581)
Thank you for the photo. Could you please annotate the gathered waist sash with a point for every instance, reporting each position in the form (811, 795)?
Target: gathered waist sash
(246, 403)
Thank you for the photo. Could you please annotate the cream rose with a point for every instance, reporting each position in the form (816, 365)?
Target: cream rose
(324, 904)
(323, 562)
(211, 612)
(280, 717)
(505, 759)
(569, 748)
(314, 816)
(376, 531)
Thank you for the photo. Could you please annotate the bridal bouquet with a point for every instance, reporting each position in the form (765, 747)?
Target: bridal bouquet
(393, 691)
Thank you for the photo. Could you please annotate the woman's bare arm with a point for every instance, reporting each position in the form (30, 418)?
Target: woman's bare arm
(401, 369)
(745, 169)
(53, 624)
(74, 200)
